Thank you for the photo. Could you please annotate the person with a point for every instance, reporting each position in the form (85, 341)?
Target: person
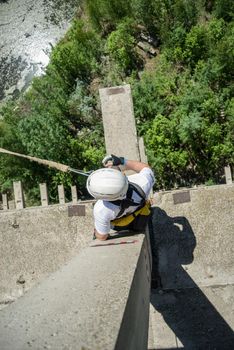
(121, 199)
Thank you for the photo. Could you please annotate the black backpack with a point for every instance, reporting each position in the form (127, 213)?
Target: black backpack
(128, 201)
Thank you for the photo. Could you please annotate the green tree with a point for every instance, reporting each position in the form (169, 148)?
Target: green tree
(224, 9)
(121, 45)
(195, 46)
(154, 93)
(78, 55)
(183, 98)
(105, 14)
(57, 118)
(166, 156)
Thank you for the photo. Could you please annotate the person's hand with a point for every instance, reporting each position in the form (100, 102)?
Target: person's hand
(112, 160)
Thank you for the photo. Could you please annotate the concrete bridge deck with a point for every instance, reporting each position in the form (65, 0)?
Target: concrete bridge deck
(100, 298)
(193, 266)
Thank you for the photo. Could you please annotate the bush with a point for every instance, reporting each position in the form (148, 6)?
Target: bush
(121, 45)
(105, 15)
(154, 93)
(78, 55)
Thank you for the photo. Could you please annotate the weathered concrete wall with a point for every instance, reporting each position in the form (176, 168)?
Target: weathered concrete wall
(99, 300)
(37, 241)
(195, 236)
(193, 245)
(133, 333)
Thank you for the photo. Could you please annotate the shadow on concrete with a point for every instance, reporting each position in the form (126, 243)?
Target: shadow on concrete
(184, 307)
(122, 234)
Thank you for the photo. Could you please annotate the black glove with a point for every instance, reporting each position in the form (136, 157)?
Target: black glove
(113, 160)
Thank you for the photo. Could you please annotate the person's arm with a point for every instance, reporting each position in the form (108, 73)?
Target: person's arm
(126, 164)
(99, 236)
(135, 165)
(103, 214)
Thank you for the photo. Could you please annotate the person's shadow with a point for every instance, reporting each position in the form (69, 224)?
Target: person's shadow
(183, 305)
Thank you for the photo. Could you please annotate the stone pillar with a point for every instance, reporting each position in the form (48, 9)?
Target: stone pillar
(19, 197)
(11, 205)
(228, 174)
(44, 195)
(74, 194)
(61, 194)
(119, 122)
(143, 156)
(4, 201)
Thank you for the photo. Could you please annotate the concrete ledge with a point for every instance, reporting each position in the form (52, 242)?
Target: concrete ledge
(99, 300)
(192, 235)
(192, 244)
(35, 242)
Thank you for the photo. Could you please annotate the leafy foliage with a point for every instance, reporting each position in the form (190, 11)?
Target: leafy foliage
(105, 15)
(183, 98)
(77, 55)
(121, 45)
(56, 119)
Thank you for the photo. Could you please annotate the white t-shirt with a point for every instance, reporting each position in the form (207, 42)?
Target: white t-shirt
(105, 211)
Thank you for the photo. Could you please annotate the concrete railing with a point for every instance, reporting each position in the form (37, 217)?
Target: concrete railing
(99, 300)
(193, 234)
(19, 196)
(192, 242)
(35, 242)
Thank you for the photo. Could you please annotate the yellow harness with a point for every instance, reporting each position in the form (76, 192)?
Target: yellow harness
(127, 219)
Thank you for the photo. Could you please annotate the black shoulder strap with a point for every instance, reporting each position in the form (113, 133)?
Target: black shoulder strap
(128, 201)
(138, 190)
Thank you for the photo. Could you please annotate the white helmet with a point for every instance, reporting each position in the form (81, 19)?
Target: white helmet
(107, 184)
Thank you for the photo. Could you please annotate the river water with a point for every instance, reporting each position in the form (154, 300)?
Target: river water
(28, 31)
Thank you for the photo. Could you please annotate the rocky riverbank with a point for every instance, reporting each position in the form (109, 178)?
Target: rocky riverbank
(28, 31)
